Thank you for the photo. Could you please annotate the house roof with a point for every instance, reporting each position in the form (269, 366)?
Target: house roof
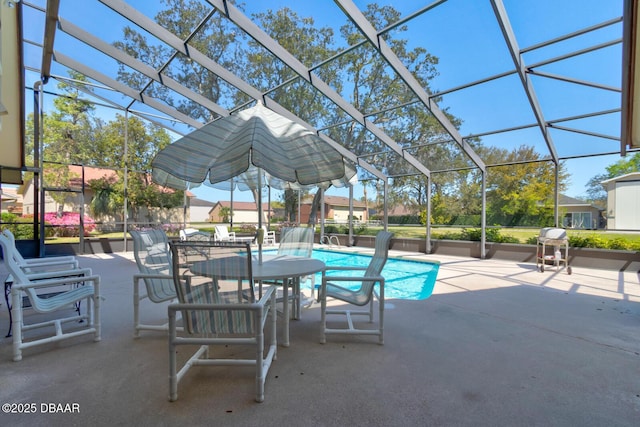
(335, 201)
(199, 202)
(627, 177)
(9, 194)
(573, 202)
(240, 206)
(92, 173)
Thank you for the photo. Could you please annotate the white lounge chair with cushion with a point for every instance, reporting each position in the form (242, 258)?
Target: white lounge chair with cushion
(361, 297)
(219, 308)
(222, 234)
(153, 258)
(54, 294)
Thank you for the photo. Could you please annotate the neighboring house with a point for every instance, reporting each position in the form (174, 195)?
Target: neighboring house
(336, 208)
(10, 201)
(623, 202)
(243, 212)
(579, 214)
(199, 209)
(75, 197)
(73, 192)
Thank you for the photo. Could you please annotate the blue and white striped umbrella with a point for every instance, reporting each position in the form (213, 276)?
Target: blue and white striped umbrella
(227, 148)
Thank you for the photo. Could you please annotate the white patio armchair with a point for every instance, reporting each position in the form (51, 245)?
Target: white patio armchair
(360, 297)
(297, 241)
(35, 265)
(153, 258)
(219, 309)
(269, 236)
(52, 294)
(222, 234)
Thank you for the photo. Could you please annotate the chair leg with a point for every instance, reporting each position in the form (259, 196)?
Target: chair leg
(173, 376)
(381, 315)
(16, 313)
(96, 310)
(136, 307)
(323, 310)
(259, 358)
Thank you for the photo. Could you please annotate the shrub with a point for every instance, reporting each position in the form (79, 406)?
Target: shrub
(171, 229)
(22, 226)
(248, 229)
(618, 243)
(587, 242)
(492, 235)
(68, 225)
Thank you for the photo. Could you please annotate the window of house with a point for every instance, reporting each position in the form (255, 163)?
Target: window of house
(579, 220)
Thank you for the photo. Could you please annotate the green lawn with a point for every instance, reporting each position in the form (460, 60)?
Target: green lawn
(599, 238)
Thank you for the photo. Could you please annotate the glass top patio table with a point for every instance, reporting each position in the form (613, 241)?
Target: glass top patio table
(272, 267)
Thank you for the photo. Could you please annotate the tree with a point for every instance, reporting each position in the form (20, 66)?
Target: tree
(225, 214)
(521, 193)
(74, 135)
(310, 45)
(144, 141)
(213, 40)
(66, 135)
(105, 199)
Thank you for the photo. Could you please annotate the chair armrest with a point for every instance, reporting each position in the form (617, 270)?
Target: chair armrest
(83, 272)
(152, 276)
(54, 282)
(345, 268)
(266, 294)
(353, 278)
(53, 259)
(33, 265)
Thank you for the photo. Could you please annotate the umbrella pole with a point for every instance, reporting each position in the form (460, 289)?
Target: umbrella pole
(231, 210)
(259, 215)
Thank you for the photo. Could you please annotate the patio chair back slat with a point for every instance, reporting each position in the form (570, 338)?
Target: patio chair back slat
(153, 257)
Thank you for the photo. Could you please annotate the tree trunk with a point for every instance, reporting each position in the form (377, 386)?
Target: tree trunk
(315, 205)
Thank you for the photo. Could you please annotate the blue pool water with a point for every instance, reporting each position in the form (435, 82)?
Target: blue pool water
(404, 279)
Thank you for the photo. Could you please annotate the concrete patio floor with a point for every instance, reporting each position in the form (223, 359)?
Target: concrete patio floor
(497, 344)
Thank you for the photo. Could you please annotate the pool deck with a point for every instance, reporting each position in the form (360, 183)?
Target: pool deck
(497, 344)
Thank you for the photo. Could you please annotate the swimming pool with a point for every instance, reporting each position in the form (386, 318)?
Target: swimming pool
(404, 279)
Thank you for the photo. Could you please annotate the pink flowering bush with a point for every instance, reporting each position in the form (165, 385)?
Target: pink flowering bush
(68, 225)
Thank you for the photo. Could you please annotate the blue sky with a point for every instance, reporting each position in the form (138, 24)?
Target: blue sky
(468, 52)
(464, 36)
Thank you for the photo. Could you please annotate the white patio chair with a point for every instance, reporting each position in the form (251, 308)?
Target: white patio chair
(219, 308)
(34, 265)
(153, 258)
(193, 234)
(53, 266)
(49, 293)
(296, 241)
(363, 296)
(222, 234)
(269, 236)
